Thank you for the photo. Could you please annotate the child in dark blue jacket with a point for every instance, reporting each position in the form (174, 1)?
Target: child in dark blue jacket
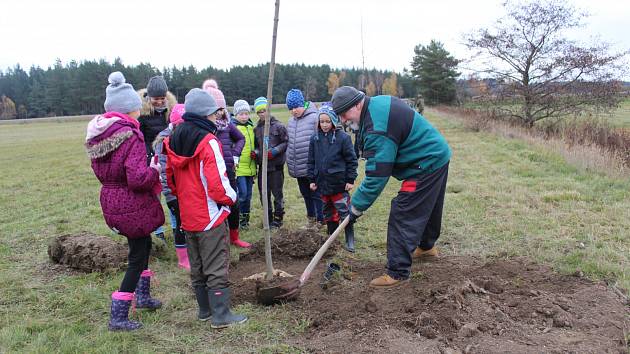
(332, 169)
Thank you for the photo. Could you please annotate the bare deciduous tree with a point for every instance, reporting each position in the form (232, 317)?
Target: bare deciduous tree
(541, 73)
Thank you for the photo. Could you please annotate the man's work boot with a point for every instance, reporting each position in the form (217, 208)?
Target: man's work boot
(385, 281)
(425, 255)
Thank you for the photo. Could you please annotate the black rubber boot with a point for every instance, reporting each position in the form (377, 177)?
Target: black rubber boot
(349, 238)
(331, 227)
(222, 317)
(201, 293)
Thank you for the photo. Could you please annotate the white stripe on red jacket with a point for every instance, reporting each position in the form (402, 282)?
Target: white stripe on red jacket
(200, 184)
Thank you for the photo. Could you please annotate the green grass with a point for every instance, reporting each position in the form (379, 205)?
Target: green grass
(504, 199)
(621, 116)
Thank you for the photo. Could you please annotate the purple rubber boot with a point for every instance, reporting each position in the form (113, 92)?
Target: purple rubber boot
(143, 293)
(119, 320)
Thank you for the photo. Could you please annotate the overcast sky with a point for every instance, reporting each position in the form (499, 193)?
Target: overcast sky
(237, 32)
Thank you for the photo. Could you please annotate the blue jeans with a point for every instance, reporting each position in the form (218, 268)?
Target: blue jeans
(312, 200)
(173, 219)
(160, 229)
(245, 184)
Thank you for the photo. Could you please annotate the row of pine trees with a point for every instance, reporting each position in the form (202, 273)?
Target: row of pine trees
(78, 88)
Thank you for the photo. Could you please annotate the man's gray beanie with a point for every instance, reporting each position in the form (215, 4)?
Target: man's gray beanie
(241, 106)
(120, 96)
(157, 87)
(345, 98)
(200, 103)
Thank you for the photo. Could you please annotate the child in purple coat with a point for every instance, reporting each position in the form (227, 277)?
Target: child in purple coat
(232, 141)
(129, 192)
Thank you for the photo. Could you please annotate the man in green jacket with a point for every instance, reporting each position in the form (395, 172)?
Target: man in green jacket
(397, 141)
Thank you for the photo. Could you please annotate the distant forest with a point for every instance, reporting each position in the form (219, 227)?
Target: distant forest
(78, 88)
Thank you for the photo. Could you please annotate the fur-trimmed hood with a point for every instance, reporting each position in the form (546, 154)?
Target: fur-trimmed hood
(107, 145)
(105, 133)
(147, 109)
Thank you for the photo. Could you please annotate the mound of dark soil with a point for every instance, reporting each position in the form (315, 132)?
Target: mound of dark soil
(287, 244)
(454, 305)
(88, 252)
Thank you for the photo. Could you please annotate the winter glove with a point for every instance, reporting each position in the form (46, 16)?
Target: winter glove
(272, 153)
(353, 215)
(236, 160)
(253, 155)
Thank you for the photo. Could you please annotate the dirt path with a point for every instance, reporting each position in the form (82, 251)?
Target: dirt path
(457, 304)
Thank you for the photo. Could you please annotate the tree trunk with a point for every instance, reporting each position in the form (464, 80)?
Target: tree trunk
(265, 158)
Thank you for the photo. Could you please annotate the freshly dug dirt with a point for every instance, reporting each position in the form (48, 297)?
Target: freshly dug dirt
(287, 244)
(88, 252)
(453, 305)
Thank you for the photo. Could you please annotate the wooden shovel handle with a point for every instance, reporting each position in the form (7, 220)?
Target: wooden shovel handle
(309, 268)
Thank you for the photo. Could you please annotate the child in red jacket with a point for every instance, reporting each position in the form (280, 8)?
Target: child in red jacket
(196, 174)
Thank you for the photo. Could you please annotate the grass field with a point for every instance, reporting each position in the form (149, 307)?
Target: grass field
(621, 116)
(504, 199)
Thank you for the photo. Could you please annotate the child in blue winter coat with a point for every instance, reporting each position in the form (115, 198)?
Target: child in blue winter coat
(332, 169)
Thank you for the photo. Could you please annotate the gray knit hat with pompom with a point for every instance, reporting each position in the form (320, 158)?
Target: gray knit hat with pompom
(119, 96)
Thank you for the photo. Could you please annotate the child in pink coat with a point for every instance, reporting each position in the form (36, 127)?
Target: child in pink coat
(130, 207)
